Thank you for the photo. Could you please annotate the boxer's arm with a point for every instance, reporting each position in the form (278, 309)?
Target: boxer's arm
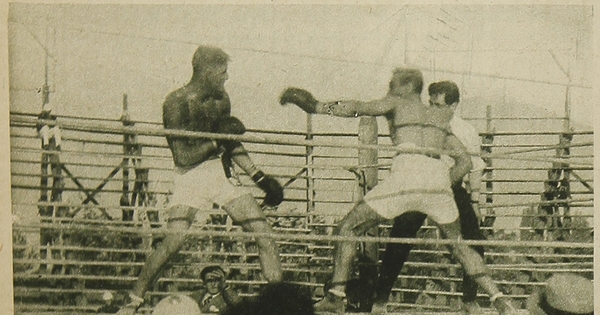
(462, 159)
(354, 108)
(186, 151)
(239, 156)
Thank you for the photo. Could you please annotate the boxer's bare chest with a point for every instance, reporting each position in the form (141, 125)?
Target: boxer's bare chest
(205, 111)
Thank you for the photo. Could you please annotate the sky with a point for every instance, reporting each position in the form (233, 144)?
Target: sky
(507, 57)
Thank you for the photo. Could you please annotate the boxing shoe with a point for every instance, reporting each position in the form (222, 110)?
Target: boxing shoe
(331, 303)
(504, 306)
(471, 308)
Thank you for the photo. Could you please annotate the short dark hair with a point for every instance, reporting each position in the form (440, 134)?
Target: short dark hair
(207, 56)
(448, 88)
(210, 269)
(403, 76)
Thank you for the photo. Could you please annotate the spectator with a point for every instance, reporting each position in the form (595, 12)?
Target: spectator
(216, 296)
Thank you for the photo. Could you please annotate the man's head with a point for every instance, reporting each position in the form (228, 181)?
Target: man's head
(406, 80)
(177, 305)
(213, 278)
(444, 93)
(210, 65)
(564, 293)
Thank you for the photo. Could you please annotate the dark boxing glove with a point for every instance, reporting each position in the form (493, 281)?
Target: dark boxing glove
(299, 97)
(230, 125)
(271, 187)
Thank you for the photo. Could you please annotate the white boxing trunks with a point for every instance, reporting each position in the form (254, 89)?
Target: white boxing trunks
(204, 185)
(415, 182)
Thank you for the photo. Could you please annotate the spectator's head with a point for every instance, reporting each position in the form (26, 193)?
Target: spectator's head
(443, 93)
(213, 278)
(564, 294)
(406, 81)
(177, 305)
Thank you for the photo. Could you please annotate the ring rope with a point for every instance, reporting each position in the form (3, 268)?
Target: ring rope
(308, 245)
(284, 213)
(310, 166)
(309, 237)
(257, 139)
(317, 134)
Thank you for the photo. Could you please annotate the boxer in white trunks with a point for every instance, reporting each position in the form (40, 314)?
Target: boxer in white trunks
(200, 180)
(416, 182)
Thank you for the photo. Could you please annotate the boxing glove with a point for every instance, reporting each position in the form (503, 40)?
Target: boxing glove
(299, 97)
(271, 187)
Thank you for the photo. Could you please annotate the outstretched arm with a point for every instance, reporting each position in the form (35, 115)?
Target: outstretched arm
(348, 108)
(353, 108)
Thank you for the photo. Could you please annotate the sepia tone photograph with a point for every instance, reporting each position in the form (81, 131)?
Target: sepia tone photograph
(300, 158)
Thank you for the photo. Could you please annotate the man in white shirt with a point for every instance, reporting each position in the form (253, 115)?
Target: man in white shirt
(466, 195)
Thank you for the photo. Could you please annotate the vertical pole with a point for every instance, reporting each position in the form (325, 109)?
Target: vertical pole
(367, 134)
(487, 142)
(367, 179)
(564, 188)
(45, 211)
(563, 152)
(310, 183)
(124, 201)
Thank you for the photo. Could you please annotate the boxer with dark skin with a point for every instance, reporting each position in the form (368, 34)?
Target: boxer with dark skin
(203, 105)
(418, 179)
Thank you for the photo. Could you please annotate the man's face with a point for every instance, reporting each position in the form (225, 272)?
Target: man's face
(214, 284)
(216, 76)
(439, 101)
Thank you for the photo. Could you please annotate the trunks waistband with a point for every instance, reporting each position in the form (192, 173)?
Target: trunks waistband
(410, 145)
(185, 169)
(429, 155)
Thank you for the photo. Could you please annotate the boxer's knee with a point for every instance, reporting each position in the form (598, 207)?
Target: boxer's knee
(358, 220)
(471, 261)
(243, 208)
(180, 214)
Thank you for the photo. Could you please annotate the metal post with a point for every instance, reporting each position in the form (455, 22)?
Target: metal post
(367, 179)
(128, 214)
(564, 141)
(310, 183)
(487, 175)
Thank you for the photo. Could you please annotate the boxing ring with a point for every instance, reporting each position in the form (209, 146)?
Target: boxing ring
(88, 207)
